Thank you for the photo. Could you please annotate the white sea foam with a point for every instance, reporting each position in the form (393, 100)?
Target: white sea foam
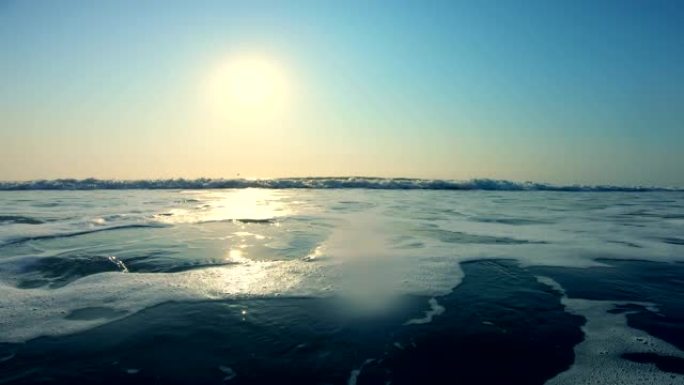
(29, 313)
(367, 247)
(435, 310)
(229, 372)
(354, 374)
(606, 337)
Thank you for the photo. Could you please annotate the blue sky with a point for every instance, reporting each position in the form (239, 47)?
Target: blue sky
(564, 92)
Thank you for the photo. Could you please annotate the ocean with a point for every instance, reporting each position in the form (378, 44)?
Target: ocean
(340, 281)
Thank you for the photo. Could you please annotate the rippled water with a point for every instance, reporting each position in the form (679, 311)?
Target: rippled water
(75, 262)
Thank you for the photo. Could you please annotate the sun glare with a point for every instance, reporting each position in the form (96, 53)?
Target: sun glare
(248, 90)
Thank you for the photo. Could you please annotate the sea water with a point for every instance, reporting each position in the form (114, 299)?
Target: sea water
(395, 282)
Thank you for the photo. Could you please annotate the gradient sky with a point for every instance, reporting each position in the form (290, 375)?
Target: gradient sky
(555, 91)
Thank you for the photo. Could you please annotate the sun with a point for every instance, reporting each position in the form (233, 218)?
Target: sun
(247, 89)
(253, 83)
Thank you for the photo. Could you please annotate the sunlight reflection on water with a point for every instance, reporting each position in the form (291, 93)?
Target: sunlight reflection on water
(237, 205)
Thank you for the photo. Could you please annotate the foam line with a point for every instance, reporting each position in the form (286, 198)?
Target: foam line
(315, 183)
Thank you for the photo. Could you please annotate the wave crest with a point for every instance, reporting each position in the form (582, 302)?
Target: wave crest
(315, 183)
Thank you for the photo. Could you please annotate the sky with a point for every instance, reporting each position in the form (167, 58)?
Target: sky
(563, 92)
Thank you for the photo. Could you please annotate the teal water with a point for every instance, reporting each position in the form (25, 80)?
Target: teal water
(338, 286)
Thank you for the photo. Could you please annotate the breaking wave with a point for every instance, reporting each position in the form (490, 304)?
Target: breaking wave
(315, 183)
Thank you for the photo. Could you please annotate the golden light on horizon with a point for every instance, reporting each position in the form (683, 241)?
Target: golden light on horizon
(247, 90)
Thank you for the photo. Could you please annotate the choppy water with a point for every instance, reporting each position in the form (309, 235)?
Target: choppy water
(341, 286)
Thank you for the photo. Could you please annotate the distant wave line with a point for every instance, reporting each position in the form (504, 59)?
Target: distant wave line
(315, 183)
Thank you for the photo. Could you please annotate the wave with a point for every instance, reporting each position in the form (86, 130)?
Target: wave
(315, 183)
(13, 241)
(12, 219)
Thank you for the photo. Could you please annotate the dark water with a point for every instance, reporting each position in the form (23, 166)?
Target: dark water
(501, 325)
(499, 317)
